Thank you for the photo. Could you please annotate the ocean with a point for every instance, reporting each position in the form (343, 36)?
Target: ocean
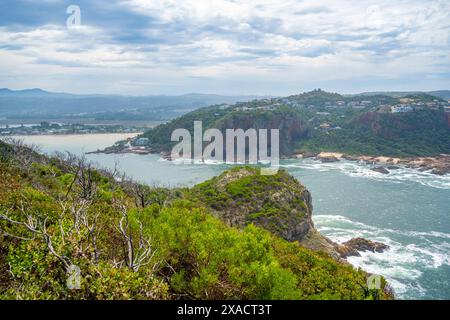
(406, 209)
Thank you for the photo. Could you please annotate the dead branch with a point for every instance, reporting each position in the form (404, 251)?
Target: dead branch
(136, 254)
(37, 227)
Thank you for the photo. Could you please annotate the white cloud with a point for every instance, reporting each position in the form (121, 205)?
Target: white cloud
(269, 42)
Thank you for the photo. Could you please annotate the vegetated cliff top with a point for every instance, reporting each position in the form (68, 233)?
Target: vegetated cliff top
(132, 241)
(278, 203)
(241, 196)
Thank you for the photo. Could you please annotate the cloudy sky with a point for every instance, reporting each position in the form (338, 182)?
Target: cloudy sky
(225, 46)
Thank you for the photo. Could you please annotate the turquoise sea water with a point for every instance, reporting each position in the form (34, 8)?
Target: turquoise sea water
(407, 209)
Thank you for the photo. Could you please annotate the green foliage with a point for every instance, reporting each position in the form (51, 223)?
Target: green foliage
(421, 133)
(260, 194)
(207, 260)
(362, 131)
(5, 152)
(212, 261)
(192, 253)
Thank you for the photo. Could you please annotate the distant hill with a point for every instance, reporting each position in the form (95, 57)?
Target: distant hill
(443, 94)
(317, 96)
(31, 93)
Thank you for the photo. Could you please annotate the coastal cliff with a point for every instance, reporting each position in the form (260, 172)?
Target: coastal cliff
(278, 203)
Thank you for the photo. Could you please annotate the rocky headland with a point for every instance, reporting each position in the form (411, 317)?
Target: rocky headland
(279, 203)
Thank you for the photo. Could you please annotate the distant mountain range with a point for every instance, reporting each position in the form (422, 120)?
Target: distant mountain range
(38, 103)
(31, 93)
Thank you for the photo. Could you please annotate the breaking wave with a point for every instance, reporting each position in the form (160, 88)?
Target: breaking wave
(355, 169)
(410, 253)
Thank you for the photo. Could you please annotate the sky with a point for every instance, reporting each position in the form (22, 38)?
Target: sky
(233, 47)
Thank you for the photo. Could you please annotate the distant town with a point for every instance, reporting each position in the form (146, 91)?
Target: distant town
(401, 105)
(49, 128)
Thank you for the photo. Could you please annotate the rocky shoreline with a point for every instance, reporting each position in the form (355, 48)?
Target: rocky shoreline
(439, 165)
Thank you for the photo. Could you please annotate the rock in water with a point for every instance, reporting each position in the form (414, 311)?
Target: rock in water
(325, 157)
(328, 159)
(382, 170)
(356, 245)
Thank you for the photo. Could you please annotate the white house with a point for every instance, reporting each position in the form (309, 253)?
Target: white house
(142, 142)
(401, 108)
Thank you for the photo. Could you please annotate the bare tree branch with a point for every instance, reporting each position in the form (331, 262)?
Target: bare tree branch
(136, 254)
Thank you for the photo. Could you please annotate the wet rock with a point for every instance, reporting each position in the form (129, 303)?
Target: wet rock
(356, 245)
(328, 159)
(382, 170)
(307, 154)
(440, 171)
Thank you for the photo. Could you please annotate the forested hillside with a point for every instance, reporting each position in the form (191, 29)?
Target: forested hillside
(320, 121)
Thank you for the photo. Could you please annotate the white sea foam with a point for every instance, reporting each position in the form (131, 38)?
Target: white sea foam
(355, 169)
(410, 252)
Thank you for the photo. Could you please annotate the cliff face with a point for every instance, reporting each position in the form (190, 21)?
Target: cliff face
(277, 203)
(389, 125)
(291, 126)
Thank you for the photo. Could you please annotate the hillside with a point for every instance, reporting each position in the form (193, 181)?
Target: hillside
(291, 126)
(420, 133)
(319, 121)
(132, 241)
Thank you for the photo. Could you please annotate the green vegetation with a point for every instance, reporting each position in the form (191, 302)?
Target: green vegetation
(285, 118)
(245, 190)
(319, 121)
(420, 133)
(135, 242)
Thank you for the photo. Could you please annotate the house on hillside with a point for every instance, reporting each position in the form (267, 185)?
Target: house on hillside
(141, 142)
(401, 108)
